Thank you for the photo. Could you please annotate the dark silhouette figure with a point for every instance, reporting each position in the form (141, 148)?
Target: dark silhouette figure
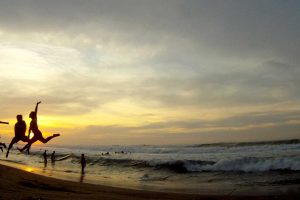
(37, 133)
(45, 158)
(2, 144)
(83, 163)
(53, 157)
(20, 130)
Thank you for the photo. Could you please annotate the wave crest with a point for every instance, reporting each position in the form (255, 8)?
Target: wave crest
(250, 164)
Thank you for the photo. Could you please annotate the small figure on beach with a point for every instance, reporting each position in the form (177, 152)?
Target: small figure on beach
(37, 134)
(20, 131)
(45, 157)
(53, 157)
(83, 163)
(2, 144)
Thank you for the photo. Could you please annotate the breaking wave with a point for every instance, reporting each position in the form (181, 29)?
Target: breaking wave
(246, 164)
(249, 164)
(237, 157)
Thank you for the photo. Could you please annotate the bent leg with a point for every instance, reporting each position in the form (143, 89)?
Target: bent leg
(28, 145)
(25, 147)
(28, 148)
(2, 144)
(45, 140)
(36, 136)
(13, 141)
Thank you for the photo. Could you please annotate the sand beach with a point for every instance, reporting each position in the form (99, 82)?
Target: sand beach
(19, 184)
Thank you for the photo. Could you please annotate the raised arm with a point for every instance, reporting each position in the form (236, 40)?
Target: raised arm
(36, 107)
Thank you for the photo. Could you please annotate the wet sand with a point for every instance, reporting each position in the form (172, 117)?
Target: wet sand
(19, 184)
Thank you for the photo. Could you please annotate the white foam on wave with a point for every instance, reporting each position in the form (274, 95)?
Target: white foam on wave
(251, 158)
(248, 165)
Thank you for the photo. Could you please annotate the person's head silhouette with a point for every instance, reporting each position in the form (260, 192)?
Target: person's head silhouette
(19, 118)
(32, 115)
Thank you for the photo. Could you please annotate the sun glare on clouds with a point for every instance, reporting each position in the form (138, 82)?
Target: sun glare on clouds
(22, 63)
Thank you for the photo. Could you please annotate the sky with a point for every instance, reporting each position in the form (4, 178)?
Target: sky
(121, 72)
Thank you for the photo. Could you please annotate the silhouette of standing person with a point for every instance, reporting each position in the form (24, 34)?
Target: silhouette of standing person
(2, 144)
(20, 130)
(45, 158)
(53, 157)
(38, 136)
(83, 163)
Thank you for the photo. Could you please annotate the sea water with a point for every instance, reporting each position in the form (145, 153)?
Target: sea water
(237, 168)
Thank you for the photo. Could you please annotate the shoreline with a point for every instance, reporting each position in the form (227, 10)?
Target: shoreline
(20, 184)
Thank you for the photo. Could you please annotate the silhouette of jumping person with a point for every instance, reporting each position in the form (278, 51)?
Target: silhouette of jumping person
(83, 163)
(2, 144)
(20, 130)
(38, 136)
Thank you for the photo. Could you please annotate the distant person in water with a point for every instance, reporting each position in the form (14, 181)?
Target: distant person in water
(37, 134)
(83, 163)
(20, 130)
(45, 157)
(2, 144)
(53, 157)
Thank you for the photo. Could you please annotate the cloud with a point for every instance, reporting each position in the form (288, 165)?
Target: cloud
(244, 127)
(174, 58)
(220, 28)
(239, 122)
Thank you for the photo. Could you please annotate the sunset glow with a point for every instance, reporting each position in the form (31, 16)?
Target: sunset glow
(180, 72)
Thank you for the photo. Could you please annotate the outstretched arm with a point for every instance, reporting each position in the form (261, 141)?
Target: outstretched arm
(1, 122)
(36, 107)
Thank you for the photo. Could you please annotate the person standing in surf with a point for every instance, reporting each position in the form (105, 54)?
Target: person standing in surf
(45, 158)
(83, 163)
(37, 134)
(53, 157)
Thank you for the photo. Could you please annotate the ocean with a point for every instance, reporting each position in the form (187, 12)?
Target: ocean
(268, 168)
